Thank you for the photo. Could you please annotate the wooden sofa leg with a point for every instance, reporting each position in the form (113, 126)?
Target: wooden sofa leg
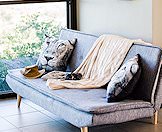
(84, 129)
(18, 101)
(155, 118)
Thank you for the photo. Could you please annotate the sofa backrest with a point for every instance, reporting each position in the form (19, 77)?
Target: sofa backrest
(150, 61)
(83, 45)
(150, 56)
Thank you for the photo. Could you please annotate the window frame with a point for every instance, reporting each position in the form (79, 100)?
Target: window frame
(71, 8)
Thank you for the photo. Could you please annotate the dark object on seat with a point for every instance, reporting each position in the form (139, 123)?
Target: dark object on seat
(74, 76)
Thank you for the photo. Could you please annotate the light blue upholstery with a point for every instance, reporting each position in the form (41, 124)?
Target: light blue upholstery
(150, 61)
(150, 56)
(83, 45)
(74, 116)
(88, 107)
(88, 100)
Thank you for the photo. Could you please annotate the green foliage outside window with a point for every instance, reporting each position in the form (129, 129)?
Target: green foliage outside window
(21, 44)
(27, 37)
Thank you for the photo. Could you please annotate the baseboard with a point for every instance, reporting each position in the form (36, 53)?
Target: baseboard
(7, 95)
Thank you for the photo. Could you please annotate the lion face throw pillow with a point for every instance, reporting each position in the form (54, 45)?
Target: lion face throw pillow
(55, 54)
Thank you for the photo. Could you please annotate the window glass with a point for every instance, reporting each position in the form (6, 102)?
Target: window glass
(23, 27)
(22, 31)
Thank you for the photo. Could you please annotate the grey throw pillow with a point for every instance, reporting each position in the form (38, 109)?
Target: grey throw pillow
(55, 54)
(124, 80)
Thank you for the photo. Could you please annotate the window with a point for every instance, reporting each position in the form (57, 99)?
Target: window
(23, 26)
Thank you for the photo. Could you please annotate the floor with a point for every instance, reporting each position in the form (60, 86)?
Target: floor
(32, 118)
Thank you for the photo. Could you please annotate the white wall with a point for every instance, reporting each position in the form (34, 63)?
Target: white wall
(157, 22)
(130, 18)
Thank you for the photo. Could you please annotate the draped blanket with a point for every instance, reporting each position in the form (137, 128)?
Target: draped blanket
(102, 61)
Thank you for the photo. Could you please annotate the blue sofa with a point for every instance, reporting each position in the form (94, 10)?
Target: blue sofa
(88, 107)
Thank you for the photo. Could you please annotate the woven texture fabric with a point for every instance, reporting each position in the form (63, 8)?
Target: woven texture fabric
(79, 117)
(150, 61)
(82, 47)
(101, 62)
(150, 58)
(122, 116)
(88, 100)
(62, 110)
(88, 107)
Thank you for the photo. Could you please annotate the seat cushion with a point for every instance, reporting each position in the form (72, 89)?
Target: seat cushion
(88, 100)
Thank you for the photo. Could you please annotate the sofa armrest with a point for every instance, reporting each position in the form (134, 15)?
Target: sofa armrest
(158, 92)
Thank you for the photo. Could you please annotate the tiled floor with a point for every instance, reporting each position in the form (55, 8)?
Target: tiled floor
(32, 118)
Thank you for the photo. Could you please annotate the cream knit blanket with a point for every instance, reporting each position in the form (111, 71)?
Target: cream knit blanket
(100, 64)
